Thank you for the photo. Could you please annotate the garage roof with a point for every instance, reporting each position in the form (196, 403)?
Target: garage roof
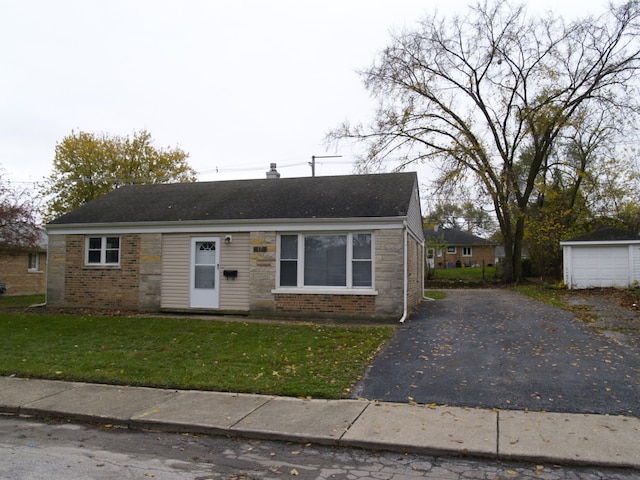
(606, 235)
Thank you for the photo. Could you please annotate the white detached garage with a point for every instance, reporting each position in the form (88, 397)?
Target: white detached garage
(606, 258)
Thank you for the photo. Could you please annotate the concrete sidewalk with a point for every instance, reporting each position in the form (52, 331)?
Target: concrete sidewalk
(557, 438)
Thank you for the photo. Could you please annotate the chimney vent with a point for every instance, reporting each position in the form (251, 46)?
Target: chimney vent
(273, 173)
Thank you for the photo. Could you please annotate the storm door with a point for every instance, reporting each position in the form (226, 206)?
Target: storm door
(205, 269)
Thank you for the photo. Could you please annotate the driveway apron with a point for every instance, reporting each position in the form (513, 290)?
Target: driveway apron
(501, 349)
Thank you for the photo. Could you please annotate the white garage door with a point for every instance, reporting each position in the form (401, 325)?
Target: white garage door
(600, 267)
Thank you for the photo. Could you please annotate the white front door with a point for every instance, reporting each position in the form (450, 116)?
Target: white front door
(205, 269)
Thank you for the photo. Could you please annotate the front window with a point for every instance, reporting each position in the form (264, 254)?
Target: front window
(326, 260)
(451, 249)
(466, 251)
(103, 251)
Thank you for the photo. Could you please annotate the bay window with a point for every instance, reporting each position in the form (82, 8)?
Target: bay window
(326, 260)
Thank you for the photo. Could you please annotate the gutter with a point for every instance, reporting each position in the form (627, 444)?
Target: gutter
(405, 280)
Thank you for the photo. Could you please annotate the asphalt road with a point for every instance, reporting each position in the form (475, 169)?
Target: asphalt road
(500, 349)
(36, 450)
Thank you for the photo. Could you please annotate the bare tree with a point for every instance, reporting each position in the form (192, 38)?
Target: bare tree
(474, 93)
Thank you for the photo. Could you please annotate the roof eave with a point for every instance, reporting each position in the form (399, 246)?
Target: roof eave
(573, 243)
(244, 225)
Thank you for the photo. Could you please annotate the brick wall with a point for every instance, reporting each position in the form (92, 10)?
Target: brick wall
(349, 305)
(480, 254)
(15, 274)
(99, 286)
(415, 269)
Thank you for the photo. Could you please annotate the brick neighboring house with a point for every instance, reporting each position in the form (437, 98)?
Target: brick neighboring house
(23, 271)
(346, 246)
(460, 249)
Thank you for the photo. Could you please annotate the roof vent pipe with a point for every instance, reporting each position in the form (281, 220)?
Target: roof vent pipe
(273, 173)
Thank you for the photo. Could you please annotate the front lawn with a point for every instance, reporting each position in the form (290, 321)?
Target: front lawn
(269, 358)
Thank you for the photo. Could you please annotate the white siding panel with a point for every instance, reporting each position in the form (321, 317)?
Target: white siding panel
(234, 294)
(599, 266)
(635, 257)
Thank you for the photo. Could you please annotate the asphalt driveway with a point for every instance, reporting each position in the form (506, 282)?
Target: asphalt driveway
(501, 349)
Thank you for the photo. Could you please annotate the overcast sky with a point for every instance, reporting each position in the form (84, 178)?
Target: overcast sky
(238, 84)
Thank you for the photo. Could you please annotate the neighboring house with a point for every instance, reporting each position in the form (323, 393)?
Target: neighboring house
(458, 249)
(22, 270)
(501, 254)
(605, 258)
(346, 246)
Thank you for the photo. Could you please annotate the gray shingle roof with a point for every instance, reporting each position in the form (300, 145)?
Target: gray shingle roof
(607, 234)
(455, 237)
(349, 196)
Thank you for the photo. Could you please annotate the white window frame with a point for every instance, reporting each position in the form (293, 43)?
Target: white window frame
(36, 267)
(467, 251)
(103, 251)
(452, 250)
(344, 290)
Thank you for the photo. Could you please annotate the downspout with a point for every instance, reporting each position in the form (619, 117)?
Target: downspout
(46, 283)
(405, 280)
(46, 286)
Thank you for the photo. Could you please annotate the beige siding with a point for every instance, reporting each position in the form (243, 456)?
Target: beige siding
(176, 271)
(234, 294)
(176, 258)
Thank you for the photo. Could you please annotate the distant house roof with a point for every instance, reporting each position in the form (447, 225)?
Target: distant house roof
(349, 196)
(607, 235)
(456, 237)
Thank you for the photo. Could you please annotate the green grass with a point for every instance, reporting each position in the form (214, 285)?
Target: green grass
(544, 293)
(465, 274)
(435, 294)
(462, 277)
(20, 301)
(280, 359)
(557, 297)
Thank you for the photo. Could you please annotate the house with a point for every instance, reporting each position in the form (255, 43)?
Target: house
(23, 270)
(608, 257)
(346, 246)
(449, 248)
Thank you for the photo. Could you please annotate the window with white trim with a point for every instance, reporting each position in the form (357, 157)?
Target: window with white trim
(451, 249)
(326, 260)
(102, 251)
(466, 251)
(34, 262)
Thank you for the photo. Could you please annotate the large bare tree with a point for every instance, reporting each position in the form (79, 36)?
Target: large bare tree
(492, 95)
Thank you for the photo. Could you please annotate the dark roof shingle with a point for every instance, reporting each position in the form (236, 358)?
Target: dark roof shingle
(456, 237)
(348, 196)
(607, 234)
